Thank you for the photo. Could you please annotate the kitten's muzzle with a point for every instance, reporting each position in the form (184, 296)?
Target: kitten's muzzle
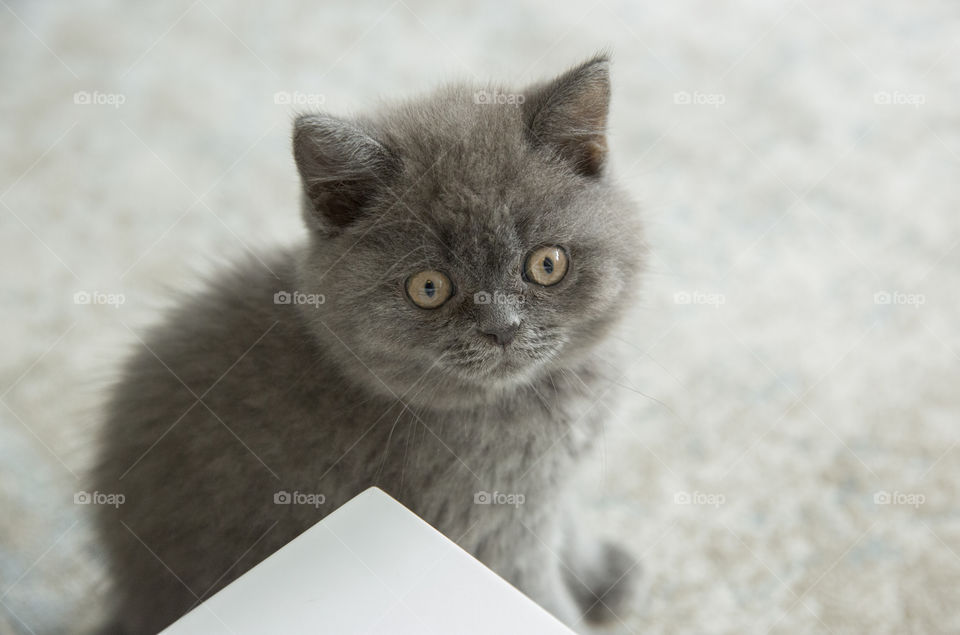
(497, 322)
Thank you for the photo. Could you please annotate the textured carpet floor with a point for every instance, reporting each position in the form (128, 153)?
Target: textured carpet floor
(798, 343)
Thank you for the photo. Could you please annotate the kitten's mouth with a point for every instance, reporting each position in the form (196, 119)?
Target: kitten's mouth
(500, 363)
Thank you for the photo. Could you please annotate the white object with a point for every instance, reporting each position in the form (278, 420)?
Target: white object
(370, 566)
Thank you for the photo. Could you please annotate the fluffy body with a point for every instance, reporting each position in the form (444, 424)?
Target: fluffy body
(236, 397)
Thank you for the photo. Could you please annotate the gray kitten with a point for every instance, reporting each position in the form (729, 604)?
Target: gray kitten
(441, 334)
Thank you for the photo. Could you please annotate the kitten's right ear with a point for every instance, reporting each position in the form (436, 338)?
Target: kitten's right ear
(341, 168)
(569, 115)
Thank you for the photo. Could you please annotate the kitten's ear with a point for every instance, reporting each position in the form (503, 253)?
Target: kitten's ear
(341, 168)
(568, 115)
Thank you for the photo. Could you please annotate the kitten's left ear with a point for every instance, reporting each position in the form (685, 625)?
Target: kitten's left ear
(569, 115)
(342, 167)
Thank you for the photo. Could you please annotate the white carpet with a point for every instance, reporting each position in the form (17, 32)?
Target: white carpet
(785, 392)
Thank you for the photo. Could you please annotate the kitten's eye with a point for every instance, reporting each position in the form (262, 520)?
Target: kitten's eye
(547, 265)
(429, 289)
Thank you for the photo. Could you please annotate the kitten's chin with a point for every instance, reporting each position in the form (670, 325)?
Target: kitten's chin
(501, 372)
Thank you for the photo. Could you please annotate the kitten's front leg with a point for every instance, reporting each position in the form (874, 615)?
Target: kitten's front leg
(602, 577)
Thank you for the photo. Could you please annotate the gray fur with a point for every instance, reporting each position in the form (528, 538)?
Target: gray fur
(368, 389)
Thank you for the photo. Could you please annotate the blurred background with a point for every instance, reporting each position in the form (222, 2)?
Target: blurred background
(794, 466)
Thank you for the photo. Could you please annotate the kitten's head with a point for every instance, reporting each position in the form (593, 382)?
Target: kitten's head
(468, 242)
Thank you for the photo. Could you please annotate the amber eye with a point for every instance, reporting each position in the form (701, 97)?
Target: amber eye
(547, 265)
(429, 289)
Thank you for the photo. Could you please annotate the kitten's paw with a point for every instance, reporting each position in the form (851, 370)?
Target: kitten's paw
(606, 591)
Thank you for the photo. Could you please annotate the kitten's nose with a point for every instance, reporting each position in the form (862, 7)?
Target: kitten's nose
(502, 335)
